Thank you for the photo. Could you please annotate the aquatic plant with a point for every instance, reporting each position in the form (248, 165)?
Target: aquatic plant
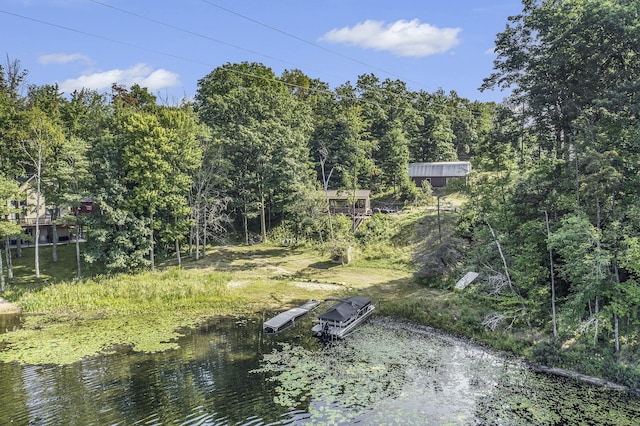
(347, 378)
(389, 372)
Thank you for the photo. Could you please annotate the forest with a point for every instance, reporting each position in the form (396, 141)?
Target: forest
(552, 211)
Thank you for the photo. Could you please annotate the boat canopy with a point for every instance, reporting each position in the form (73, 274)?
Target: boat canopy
(345, 310)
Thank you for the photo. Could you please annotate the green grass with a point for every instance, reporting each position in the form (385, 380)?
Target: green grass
(67, 319)
(128, 294)
(64, 270)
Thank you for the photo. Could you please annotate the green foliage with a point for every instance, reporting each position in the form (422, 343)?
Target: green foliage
(8, 191)
(263, 129)
(555, 180)
(68, 321)
(373, 230)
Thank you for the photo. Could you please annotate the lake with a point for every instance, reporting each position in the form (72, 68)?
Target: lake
(229, 373)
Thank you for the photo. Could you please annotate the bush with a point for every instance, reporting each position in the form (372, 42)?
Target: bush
(408, 191)
(548, 353)
(374, 229)
(341, 252)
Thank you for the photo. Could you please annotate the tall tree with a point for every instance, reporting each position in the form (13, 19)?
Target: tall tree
(12, 77)
(433, 138)
(8, 191)
(561, 57)
(573, 66)
(208, 197)
(58, 174)
(84, 117)
(12, 156)
(42, 137)
(118, 241)
(395, 161)
(264, 131)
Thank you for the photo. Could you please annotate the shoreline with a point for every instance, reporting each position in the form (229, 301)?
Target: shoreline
(8, 308)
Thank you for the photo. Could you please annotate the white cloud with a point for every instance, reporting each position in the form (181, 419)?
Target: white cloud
(140, 74)
(63, 58)
(402, 38)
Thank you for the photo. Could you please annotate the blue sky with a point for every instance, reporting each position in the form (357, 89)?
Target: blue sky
(167, 46)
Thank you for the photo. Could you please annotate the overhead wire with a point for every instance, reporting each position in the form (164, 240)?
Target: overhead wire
(187, 31)
(270, 27)
(208, 2)
(111, 40)
(235, 71)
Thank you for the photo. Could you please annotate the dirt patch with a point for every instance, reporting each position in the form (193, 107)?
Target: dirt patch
(235, 284)
(8, 307)
(318, 286)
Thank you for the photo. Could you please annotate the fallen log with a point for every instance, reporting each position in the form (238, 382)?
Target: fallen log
(555, 371)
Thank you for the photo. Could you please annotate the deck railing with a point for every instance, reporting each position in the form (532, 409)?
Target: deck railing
(31, 221)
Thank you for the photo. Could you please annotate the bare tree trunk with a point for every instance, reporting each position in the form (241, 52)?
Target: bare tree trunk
(54, 236)
(616, 331)
(616, 328)
(178, 252)
(595, 336)
(553, 281)
(205, 231)
(246, 226)
(2, 283)
(439, 225)
(197, 232)
(78, 263)
(263, 225)
(325, 183)
(151, 254)
(38, 195)
(506, 271)
(9, 260)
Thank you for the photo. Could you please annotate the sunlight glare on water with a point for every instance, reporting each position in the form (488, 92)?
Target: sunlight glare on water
(229, 373)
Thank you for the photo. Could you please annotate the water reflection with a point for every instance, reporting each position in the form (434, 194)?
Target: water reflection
(385, 373)
(9, 322)
(204, 382)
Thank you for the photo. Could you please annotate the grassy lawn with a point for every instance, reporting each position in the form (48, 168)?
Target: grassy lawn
(66, 319)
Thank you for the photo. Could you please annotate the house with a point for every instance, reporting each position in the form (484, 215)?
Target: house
(27, 214)
(350, 202)
(438, 174)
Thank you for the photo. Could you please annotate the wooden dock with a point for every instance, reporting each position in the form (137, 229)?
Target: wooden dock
(288, 318)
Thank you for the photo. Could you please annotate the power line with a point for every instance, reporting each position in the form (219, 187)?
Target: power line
(255, 21)
(111, 40)
(190, 32)
(238, 72)
(187, 31)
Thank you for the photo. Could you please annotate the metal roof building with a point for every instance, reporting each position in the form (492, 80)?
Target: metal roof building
(438, 173)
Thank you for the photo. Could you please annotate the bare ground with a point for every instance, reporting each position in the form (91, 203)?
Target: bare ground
(8, 307)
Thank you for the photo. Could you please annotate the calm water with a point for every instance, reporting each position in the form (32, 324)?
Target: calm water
(228, 373)
(9, 322)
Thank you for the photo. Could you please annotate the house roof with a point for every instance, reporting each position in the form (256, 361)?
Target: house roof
(440, 169)
(343, 194)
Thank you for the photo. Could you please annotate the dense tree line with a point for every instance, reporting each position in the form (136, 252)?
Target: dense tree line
(553, 216)
(250, 151)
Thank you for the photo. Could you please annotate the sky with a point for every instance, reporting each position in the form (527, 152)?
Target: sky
(167, 46)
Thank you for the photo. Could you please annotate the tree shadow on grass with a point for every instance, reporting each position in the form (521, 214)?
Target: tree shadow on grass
(240, 259)
(327, 264)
